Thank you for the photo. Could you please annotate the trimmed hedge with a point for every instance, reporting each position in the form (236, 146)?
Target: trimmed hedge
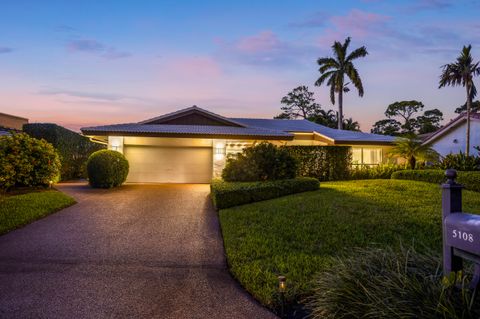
(74, 149)
(325, 163)
(107, 169)
(471, 180)
(383, 171)
(228, 194)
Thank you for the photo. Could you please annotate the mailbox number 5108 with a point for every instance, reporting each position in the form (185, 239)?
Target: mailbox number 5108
(462, 235)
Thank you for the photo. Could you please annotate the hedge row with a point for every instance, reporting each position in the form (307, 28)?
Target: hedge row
(228, 194)
(471, 180)
(325, 163)
(74, 149)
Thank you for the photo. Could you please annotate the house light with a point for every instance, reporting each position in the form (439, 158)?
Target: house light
(219, 149)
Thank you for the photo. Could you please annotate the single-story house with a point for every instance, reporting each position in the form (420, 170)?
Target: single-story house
(190, 145)
(451, 138)
(10, 123)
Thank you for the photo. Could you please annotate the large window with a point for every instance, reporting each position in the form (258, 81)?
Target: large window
(366, 156)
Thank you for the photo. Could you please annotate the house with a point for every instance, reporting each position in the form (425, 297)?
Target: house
(190, 145)
(451, 138)
(10, 123)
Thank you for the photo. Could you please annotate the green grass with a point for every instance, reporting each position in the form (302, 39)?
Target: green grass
(22, 209)
(298, 235)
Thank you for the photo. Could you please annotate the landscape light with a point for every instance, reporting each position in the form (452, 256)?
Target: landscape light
(282, 284)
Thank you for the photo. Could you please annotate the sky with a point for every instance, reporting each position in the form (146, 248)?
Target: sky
(84, 63)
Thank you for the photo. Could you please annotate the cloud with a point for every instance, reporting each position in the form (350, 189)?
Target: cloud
(97, 48)
(430, 5)
(97, 96)
(5, 50)
(262, 49)
(318, 19)
(203, 66)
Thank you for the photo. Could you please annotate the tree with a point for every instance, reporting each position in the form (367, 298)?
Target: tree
(299, 103)
(413, 150)
(463, 108)
(387, 127)
(462, 72)
(334, 69)
(430, 121)
(402, 119)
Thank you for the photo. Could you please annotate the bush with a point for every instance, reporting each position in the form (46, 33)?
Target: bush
(375, 172)
(461, 162)
(325, 163)
(383, 283)
(261, 162)
(107, 169)
(27, 161)
(73, 148)
(228, 194)
(471, 180)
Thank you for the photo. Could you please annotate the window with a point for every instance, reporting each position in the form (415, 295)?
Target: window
(366, 156)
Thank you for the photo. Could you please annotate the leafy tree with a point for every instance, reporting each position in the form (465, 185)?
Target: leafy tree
(299, 103)
(387, 127)
(413, 150)
(463, 108)
(402, 119)
(462, 72)
(334, 69)
(429, 122)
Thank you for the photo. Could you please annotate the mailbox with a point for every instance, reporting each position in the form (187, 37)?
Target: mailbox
(461, 231)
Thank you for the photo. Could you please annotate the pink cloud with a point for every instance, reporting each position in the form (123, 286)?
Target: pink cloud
(195, 66)
(263, 42)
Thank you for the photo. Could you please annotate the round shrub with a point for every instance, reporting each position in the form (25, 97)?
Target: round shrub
(107, 169)
(27, 161)
(261, 162)
(388, 283)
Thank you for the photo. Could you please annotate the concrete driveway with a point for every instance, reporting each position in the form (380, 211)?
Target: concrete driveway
(140, 251)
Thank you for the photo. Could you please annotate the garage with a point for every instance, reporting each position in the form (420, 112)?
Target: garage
(153, 164)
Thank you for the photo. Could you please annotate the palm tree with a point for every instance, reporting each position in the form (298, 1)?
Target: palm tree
(462, 73)
(334, 69)
(412, 150)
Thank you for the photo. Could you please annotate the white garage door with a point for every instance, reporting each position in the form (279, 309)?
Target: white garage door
(152, 164)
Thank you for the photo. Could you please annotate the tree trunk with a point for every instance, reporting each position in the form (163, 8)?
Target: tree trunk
(469, 107)
(340, 109)
(412, 161)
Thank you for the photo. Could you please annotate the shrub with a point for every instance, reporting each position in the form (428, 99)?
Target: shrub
(471, 180)
(325, 163)
(261, 162)
(27, 161)
(383, 283)
(228, 194)
(107, 169)
(461, 162)
(375, 172)
(73, 148)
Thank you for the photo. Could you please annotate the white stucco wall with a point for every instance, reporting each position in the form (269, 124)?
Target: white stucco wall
(454, 140)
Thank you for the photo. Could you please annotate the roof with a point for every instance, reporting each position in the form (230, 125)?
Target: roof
(236, 127)
(451, 125)
(13, 116)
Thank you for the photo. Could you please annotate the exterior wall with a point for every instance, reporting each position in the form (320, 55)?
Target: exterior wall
(12, 122)
(454, 141)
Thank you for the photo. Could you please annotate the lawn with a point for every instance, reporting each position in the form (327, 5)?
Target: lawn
(298, 235)
(19, 210)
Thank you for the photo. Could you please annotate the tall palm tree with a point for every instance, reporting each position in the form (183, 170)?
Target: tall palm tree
(413, 150)
(462, 72)
(333, 70)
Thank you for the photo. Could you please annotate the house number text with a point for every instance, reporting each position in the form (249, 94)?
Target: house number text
(462, 235)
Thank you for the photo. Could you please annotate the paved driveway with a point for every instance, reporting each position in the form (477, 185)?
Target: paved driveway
(140, 251)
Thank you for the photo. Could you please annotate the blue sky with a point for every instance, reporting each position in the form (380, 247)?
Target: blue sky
(80, 63)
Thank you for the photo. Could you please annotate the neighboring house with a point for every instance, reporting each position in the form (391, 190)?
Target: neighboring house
(451, 138)
(190, 145)
(10, 123)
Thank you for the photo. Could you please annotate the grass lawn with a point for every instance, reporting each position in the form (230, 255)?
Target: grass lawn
(22, 209)
(298, 235)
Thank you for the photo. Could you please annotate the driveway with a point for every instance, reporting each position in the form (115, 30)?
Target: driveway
(139, 251)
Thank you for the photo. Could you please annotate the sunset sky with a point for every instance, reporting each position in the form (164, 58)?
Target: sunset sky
(81, 63)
